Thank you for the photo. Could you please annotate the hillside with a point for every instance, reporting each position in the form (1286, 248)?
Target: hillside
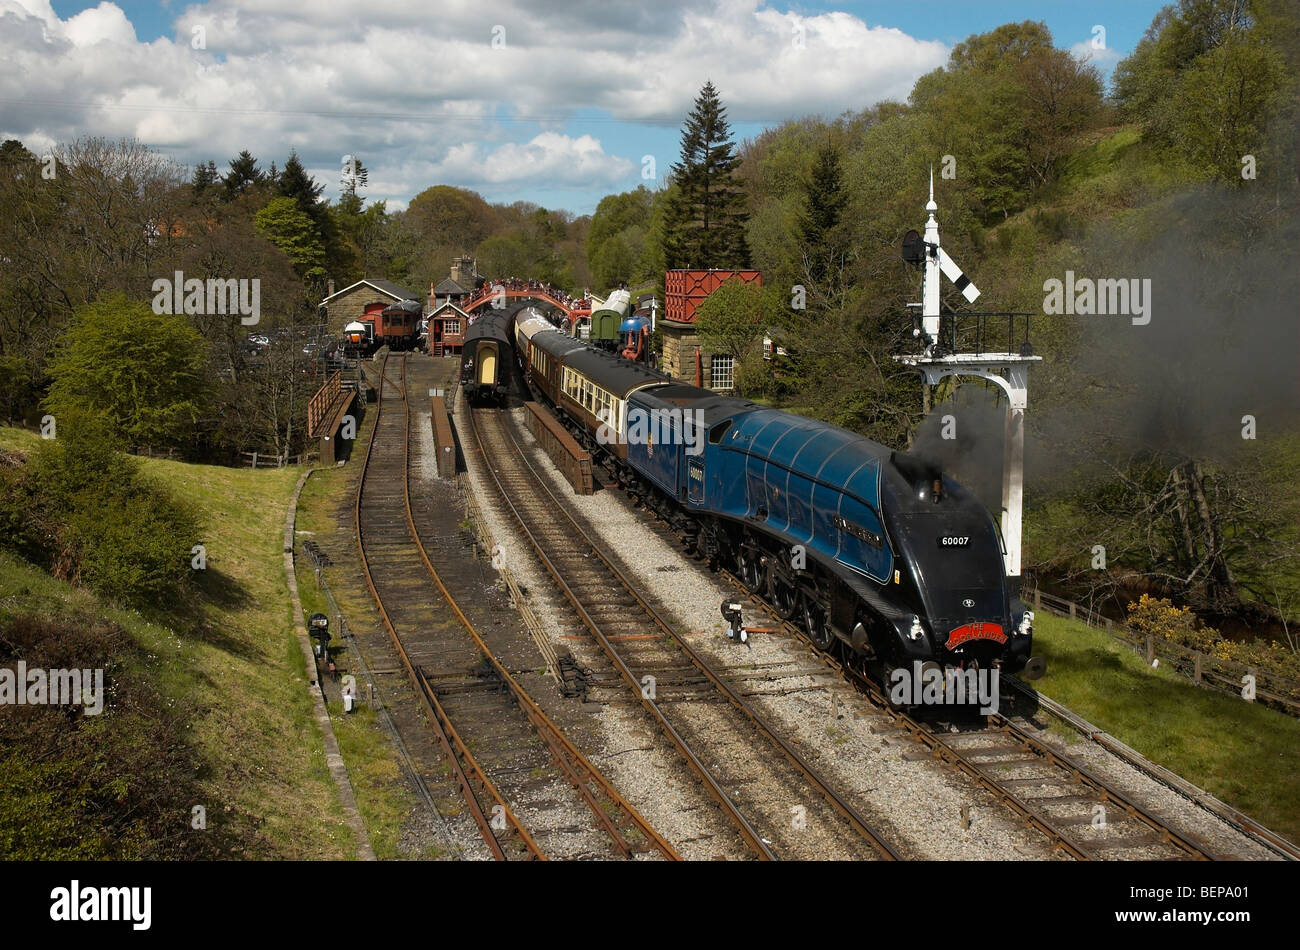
(207, 705)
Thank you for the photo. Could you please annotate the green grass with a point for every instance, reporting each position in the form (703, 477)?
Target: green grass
(1116, 171)
(384, 797)
(1245, 754)
(231, 655)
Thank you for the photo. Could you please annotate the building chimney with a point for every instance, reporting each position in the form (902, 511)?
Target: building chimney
(330, 289)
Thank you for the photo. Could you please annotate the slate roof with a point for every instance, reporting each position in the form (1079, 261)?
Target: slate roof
(448, 288)
(386, 287)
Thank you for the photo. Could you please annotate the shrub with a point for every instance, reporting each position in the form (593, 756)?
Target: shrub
(92, 516)
(1160, 618)
(143, 372)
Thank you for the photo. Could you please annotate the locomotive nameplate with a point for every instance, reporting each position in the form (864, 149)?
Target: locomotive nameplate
(857, 531)
(975, 631)
(953, 540)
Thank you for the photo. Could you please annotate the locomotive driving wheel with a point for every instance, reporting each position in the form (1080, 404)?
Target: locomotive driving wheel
(784, 594)
(816, 623)
(751, 569)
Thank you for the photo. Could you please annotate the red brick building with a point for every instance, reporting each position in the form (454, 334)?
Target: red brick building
(684, 356)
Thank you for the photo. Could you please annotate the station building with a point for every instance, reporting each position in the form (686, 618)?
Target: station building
(348, 305)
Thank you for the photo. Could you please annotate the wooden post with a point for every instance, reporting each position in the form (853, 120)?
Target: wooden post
(1196, 675)
(1108, 625)
(254, 460)
(1151, 648)
(1072, 609)
(1038, 599)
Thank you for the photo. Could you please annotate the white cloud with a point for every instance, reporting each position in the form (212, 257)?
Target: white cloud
(1103, 58)
(421, 93)
(550, 159)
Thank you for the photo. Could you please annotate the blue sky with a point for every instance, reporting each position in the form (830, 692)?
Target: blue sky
(556, 104)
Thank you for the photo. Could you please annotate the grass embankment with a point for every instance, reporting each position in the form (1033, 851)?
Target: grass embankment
(384, 797)
(228, 658)
(1245, 754)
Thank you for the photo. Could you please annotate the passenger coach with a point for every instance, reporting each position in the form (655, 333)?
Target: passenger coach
(486, 359)
(589, 386)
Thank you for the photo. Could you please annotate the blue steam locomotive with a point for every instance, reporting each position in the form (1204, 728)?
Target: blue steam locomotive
(873, 548)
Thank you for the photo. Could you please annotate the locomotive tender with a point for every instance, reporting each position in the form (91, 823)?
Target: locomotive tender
(860, 544)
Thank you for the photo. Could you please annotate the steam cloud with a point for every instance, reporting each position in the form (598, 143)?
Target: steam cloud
(1223, 343)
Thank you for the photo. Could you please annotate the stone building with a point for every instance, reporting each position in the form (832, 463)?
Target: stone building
(458, 287)
(684, 356)
(347, 305)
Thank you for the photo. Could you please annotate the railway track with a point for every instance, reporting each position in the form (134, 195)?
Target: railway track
(716, 731)
(1079, 812)
(499, 744)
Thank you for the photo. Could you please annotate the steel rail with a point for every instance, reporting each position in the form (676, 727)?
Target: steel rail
(939, 744)
(580, 772)
(452, 746)
(1242, 823)
(844, 808)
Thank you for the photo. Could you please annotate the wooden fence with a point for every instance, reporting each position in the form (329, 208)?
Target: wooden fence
(149, 452)
(271, 460)
(1203, 669)
(320, 408)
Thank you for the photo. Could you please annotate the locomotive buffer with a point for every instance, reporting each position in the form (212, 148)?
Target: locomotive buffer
(940, 339)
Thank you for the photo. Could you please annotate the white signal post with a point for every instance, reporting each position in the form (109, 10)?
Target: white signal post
(1009, 371)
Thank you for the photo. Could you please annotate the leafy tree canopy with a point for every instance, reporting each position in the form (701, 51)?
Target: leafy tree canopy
(290, 229)
(144, 373)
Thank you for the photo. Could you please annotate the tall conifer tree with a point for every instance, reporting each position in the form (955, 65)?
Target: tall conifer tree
(706, 215)
(244, 175)
(295, 183)
(819, 231)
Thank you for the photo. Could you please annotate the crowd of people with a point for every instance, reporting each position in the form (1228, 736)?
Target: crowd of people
(522, 284)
